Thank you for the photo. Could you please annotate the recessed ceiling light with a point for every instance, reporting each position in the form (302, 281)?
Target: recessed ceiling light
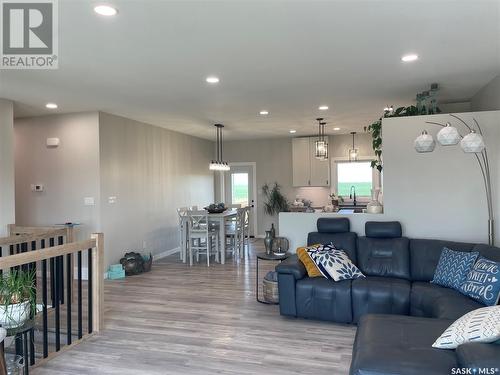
(212, 79)
(409, 58)
(51, 105)
(105, 10)
(293, 131)
(264, 112)
(323, 107)
(336, 129)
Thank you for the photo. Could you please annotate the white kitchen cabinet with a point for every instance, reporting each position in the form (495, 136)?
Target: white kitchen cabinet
(320, 169)
(307, 170)
(301, 164)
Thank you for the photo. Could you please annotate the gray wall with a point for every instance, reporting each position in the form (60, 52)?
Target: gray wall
(7, 191)
(69, 172)
(151, 171)
(439, 194)
(488, 98)
(273, 158)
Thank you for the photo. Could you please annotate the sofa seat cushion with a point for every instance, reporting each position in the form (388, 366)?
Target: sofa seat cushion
(320, 298)
(475, 355)
(434, 301)
(393, 344)
(380, 295)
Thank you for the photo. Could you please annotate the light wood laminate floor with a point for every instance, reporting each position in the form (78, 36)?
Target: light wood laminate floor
(197, 320)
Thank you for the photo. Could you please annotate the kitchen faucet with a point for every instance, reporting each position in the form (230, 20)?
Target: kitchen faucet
(352, 195)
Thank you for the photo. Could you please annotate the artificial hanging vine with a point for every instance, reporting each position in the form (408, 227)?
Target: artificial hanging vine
(375, 130)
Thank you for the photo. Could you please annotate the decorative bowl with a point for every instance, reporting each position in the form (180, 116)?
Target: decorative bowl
(215, 210)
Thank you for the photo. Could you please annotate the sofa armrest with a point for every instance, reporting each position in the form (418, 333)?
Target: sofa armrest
(292, 266)
(478, 355)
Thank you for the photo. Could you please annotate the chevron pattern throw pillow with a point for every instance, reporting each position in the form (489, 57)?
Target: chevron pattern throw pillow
(481, 325)
(453, 268)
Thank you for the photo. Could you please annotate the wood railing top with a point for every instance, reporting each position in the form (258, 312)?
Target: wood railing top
(47, 253)
(21, 229)
(35, 236)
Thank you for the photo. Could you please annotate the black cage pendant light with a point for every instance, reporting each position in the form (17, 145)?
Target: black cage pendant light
(321, 145)
(219, 164)
(353, 152)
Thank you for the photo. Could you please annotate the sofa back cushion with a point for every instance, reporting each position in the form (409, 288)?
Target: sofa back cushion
(335, 231)
(425, 254)
(388, 257)
(383, 229)
(342, 241)
(383, 252)
(489, 252)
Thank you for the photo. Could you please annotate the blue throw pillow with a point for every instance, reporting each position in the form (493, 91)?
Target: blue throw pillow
(483, 282)
(453, 268)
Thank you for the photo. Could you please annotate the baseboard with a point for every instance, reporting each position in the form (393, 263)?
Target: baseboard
(167, 253)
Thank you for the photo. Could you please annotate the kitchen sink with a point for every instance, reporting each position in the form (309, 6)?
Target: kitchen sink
(350, 210)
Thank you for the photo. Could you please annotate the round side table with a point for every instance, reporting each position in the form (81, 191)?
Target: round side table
(269, 257)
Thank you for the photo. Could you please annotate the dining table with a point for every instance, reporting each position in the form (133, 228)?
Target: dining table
(220, 219)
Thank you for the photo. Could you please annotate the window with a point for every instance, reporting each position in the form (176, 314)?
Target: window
(358, 174)
(239, 188)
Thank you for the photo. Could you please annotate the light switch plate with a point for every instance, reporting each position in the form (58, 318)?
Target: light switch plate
(88, 201)
(112, 200)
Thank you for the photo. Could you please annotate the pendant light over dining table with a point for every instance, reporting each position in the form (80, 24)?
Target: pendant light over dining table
(321, 145)
(219, 164)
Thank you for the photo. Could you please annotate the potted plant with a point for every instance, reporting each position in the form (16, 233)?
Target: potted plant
(336, 200)
(17, 297)
(275, 202)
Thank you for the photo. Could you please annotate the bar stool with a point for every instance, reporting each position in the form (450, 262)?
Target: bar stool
(182, 215)
(202, 236)
(234, 232)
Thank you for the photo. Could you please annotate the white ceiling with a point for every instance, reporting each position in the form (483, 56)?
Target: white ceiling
(150, 62)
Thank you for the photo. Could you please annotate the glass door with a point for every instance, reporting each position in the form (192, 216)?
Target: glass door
(239, 189)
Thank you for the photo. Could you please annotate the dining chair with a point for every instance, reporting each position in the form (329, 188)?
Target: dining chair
(234, 233)
(202, 236)
(182, 215)
(245, 230)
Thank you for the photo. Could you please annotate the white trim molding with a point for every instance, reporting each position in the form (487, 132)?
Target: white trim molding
(166, 253)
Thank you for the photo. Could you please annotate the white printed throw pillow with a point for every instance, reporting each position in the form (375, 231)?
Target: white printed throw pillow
(334, 264)
(480, 325)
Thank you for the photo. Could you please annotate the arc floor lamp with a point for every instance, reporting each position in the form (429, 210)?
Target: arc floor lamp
(472, 143)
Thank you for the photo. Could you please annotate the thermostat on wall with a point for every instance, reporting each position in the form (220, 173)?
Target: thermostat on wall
(52, 142)
(36, 187)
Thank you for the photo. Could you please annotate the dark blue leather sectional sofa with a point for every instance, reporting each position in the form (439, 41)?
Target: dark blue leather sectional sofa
(398, 311)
